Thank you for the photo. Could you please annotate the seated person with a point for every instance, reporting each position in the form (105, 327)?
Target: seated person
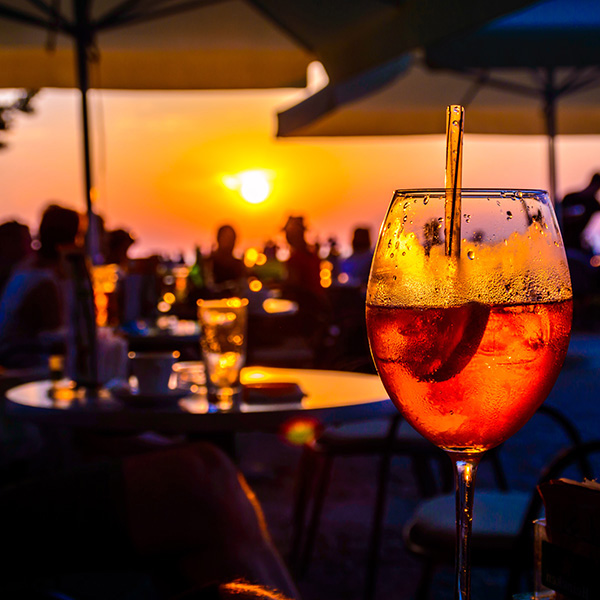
(182, 519)
(34, 303)
(358, 265)
(15, 246)
(303, 284)
(228, 273)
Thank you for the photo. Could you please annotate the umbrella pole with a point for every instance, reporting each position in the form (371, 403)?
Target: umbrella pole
(87, 348)
(82, 45)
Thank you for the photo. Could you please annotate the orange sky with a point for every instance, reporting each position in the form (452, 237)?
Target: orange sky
(160, 156)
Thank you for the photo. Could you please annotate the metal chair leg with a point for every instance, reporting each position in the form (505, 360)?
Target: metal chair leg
(377, 526)
(380, 503)
(304, 484)
(313, 524)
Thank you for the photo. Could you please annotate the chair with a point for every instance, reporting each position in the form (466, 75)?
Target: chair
(379, 437)
(21, 444)
(502, 526)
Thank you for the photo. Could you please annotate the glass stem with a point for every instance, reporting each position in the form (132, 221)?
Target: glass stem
(465, 469)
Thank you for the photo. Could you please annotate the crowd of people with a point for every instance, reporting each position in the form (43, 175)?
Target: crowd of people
(37, 292)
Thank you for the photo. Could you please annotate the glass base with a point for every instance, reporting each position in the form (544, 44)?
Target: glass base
(225, 399)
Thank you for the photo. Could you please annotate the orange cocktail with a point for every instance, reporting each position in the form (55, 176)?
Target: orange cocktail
(468, 377)
(469, 308)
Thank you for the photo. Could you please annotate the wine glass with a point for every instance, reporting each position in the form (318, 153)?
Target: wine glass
(469, 344)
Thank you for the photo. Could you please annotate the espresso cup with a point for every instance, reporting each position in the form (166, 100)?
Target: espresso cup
(152, 370)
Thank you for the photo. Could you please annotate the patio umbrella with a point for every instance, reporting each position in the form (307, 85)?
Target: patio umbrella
(533, 72)
(173, 44)
(213, 44)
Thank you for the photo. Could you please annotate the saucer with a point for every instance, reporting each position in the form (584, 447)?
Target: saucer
(133, 398)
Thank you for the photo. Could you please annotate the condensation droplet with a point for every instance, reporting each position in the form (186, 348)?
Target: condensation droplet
(467, 218)
(426, 200)
(471, 255)
(394, 278)
(508, 215)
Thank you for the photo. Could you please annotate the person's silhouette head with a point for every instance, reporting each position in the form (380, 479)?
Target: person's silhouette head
(361, 240)
(59, 228)
(15, 242)
(226, 238)
(119, 242)
(294, 232)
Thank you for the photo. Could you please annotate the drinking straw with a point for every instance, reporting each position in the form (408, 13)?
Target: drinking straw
(455, 116)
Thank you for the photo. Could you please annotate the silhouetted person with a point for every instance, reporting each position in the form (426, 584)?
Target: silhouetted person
(577, 210)
(35, 300)
(358, 264)
(333, 256)
(185, 517)
(303, 284)
(303, 265)
(273, 271)
(15, 245)
(118, 242)
(227, 271)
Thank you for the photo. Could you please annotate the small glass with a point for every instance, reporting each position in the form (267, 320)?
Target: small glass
(223, 324)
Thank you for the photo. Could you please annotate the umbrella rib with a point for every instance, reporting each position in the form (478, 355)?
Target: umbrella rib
(50, 11)
(290, 31)
(475, 88)
(25, 17)
(500, 83)
(120, 18)
(127, 9)
(58, 22)
(580, 80)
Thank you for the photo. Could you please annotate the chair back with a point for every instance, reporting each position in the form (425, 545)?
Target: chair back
(576, 455)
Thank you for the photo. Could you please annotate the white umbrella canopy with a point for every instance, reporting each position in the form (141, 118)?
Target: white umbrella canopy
(413, 102)
(533, 72)
(165, 45)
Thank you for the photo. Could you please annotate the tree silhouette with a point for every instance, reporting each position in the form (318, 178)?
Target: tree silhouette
(22, 104)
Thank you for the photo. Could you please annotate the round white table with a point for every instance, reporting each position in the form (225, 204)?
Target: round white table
(329, 397)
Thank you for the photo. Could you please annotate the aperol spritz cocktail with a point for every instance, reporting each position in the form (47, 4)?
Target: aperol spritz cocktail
(469, 345)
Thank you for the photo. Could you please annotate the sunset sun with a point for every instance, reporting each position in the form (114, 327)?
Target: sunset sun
(254, 186)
